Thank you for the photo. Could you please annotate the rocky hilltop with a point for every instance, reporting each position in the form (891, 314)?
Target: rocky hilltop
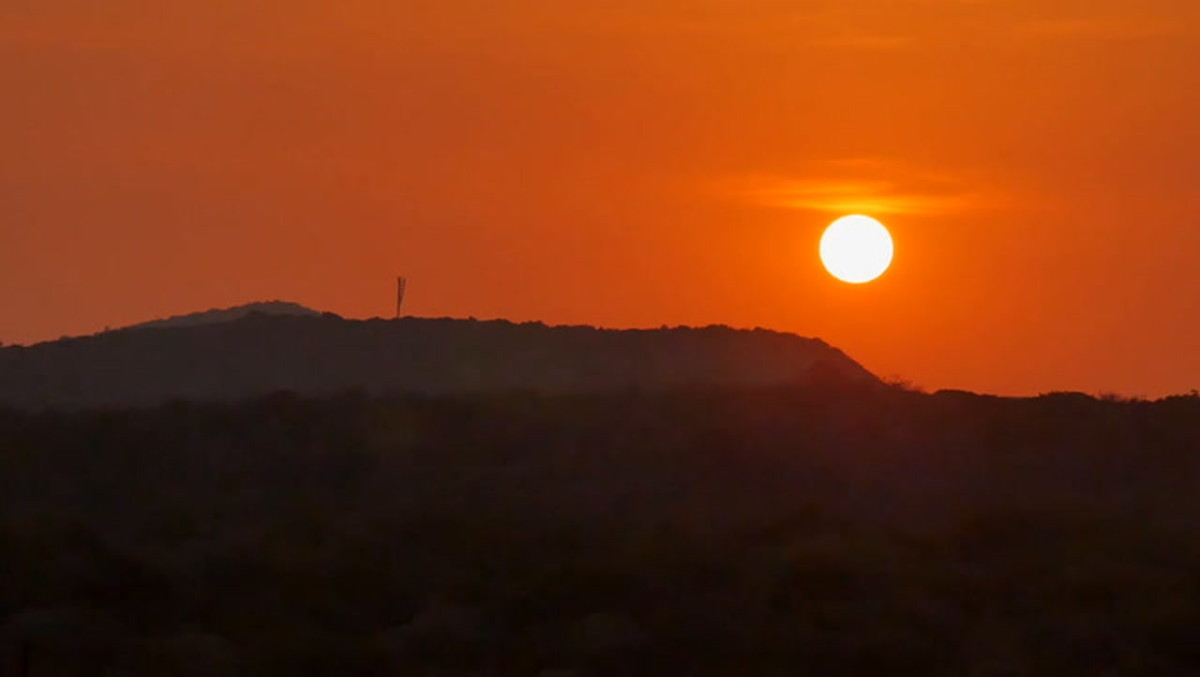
(245, 352)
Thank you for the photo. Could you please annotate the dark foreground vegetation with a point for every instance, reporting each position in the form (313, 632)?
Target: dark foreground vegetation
(834, 531)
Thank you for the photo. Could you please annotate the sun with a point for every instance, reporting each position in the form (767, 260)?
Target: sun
(856, 249)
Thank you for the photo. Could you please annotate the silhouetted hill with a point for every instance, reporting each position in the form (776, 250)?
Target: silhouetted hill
(239, 353)
(217, 316)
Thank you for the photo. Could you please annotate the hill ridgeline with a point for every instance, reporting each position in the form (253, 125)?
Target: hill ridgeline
(256, 349)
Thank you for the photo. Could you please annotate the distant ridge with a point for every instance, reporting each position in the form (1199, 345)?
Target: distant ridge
(260, 348)
(216, 316)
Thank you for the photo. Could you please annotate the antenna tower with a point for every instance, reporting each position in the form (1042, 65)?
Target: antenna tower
(401, 285)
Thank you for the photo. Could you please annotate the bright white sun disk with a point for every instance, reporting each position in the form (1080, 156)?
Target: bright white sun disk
(856, 249)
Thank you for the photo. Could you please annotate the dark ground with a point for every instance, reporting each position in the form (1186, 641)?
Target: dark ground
(832, 531)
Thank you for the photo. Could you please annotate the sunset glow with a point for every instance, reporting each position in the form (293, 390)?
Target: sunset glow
(583, 163)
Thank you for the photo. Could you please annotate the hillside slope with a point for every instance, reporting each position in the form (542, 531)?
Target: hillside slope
(261, 353)
(221, 315)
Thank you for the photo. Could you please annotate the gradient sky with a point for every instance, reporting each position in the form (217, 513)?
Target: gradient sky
(623, 163)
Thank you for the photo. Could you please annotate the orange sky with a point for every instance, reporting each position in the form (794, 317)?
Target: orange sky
(623, 163)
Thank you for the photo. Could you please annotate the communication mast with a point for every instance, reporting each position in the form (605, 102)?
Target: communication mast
(401, 285)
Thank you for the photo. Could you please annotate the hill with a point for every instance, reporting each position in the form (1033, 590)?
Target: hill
(246, 352)
(219, 315)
